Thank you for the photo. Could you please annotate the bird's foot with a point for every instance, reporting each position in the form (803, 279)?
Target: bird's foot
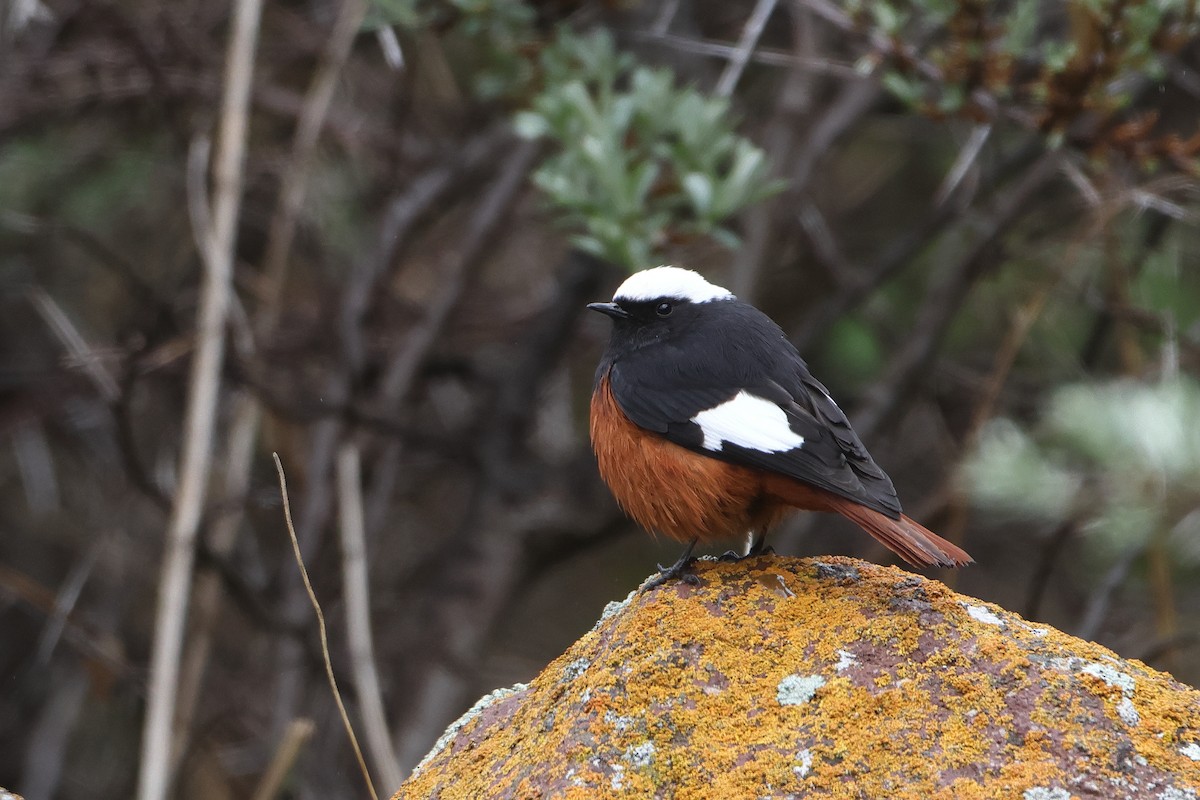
(732, 556)
(677, 570)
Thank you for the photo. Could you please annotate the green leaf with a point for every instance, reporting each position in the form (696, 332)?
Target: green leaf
(699, 188)
(530, 125)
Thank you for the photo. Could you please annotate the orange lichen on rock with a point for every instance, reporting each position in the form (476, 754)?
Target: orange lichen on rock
(827, 678)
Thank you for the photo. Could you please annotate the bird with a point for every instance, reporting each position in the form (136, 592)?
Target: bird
(707, 425)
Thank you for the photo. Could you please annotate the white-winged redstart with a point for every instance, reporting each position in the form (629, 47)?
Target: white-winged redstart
(707, 425)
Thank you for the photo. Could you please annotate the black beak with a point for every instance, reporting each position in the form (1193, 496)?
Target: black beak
(611, 309)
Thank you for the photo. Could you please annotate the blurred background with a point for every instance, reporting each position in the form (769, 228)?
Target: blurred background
(979, 222)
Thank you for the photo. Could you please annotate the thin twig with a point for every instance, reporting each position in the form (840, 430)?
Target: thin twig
(967, 157)
(64, 602)
(312, 596)
(297, 735)
(750, 36)
(239, 456)
(1096, 610)
(175, 583)
(898, 254)
(73, 342)
(304, 145)
(833, 13)
(198, 206)
(771, 58)
(666, 14)
(356, 584)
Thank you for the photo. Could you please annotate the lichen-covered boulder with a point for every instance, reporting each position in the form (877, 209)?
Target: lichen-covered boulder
(829, 678)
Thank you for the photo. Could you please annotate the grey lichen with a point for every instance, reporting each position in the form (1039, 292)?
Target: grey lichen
(640, 755)
(614, 608)
(1045, 793)
(575, 669)
(795, 690)
(474, 711)
(983, 614)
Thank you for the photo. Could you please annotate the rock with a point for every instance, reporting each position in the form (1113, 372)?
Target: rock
(823, 678)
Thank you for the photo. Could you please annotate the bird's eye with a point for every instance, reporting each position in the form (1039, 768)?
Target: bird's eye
(663, 309)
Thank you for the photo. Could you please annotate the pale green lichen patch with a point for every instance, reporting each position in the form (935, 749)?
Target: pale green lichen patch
(833, 679)
(796, 690)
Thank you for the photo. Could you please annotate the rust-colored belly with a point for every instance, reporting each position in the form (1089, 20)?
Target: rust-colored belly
(669, 489)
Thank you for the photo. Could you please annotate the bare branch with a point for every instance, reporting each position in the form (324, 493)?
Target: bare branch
(298, 734)
(750, 36)
(772, 58)
(967, 157)
(356, 585)
(175, 583)
(73, 342)
(304, 145)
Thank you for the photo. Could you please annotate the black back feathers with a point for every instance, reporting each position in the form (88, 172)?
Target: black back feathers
(721, 379)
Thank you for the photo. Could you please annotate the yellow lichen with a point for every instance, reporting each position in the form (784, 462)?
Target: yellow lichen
(830, 679)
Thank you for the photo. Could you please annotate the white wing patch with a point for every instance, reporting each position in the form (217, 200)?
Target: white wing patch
(750, 422)
(660, 282)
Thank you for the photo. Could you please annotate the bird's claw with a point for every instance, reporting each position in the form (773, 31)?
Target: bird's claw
(676, 570)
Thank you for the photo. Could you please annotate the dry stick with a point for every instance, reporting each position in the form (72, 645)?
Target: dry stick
(771, 58)
(967, 157)
(297, 735)
(312, 596)
(64, 602)
(73, 342)
(247, 411)
(295, 180)
(741, 56)
(175, 582)
(358, 615)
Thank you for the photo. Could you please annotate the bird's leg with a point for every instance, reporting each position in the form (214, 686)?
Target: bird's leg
(757, 539)
(676, 570)
(754, 547)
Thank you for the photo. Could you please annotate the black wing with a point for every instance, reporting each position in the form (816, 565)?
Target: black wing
(832, 457)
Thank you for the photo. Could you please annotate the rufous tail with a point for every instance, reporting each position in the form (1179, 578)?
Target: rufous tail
(910, 540)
